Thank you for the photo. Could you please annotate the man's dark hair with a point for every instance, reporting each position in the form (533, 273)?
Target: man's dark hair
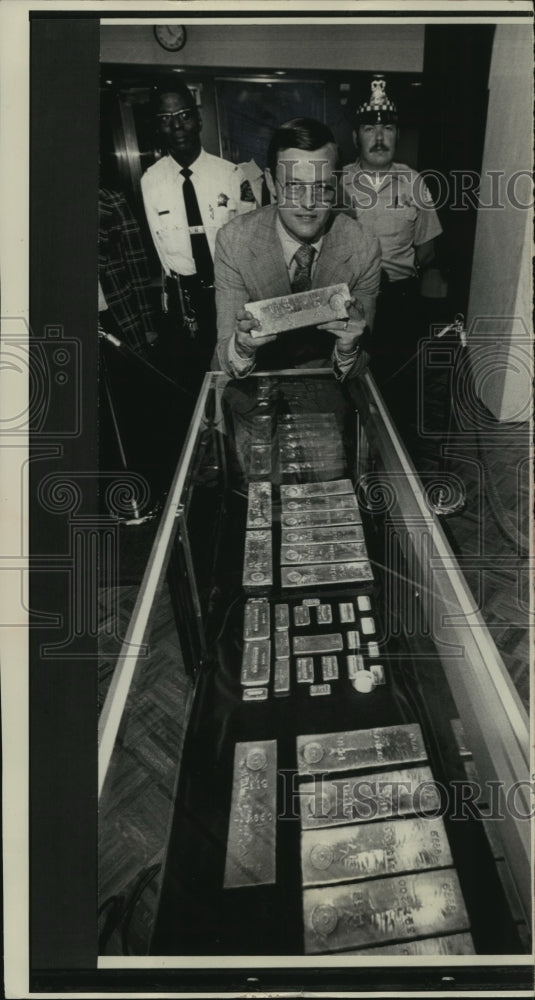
(298, 133)
(173, 86)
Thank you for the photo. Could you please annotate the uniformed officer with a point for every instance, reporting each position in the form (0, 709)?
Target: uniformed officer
(188, 195)
(392, 202)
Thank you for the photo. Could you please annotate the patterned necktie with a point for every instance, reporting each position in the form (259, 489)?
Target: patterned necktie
(303, 257)
(199, 244)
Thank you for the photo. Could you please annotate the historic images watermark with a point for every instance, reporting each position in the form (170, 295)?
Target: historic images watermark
(458, 190)
(43, 376)
(323, 800)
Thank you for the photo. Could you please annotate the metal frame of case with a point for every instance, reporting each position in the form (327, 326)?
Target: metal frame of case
(488, 705)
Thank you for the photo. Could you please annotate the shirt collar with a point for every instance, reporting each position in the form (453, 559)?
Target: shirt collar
(193, 166)
(290, 245)
(376, 179)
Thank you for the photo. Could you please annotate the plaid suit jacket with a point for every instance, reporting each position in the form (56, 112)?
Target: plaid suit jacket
(123, 269)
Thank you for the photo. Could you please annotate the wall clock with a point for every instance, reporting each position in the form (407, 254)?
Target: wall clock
(170, 36)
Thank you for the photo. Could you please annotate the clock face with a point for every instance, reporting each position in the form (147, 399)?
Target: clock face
(171, 36)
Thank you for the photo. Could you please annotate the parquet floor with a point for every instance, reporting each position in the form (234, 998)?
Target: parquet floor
(136, 806)
(136, 809)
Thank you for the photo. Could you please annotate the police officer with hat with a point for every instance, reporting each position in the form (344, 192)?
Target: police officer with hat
(391, 201)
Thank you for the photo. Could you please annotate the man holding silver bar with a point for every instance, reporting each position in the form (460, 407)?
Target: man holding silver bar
(298, 244)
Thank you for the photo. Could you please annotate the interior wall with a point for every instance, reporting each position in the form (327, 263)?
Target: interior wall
(397, 48)
(499, 312)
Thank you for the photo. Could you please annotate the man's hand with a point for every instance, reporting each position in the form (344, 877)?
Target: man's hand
(347, 331)
(246, 345)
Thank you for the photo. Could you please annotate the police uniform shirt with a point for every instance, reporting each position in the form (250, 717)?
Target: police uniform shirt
(397, 207)
(218, 185)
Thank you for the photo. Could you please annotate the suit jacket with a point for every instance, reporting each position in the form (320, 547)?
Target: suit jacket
(249, 265)
(123, 269)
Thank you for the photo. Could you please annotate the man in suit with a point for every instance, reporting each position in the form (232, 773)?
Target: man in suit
(295, 244)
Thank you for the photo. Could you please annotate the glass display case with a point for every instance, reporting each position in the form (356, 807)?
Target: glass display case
(352, 775)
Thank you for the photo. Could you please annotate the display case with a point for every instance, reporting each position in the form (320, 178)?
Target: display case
(353, 776)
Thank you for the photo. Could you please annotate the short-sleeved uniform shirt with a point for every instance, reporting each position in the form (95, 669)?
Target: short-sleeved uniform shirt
(219, 186)
(399, 210)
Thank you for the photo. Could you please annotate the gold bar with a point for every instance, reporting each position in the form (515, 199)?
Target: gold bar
(453, 944)
(282, 644)
(291, 312)
(329, 668)
(378, 673)
(320, 689)
(346, 501)
(307, 451)
(388, 909)
(305, 669)
(352, 639)
(324, 614)
(330, 552)
(301, 615)
(250, 856)
(367, 850)
(260, 460)
(317, 536)
(282, 616)
(255, 694)
(362, 748)
(346, 610)
(257, 560)
(259, 505)
(316, 489)
(256, 619)
(281, 681)
(307, 645)
(256, 662)
(319, 575)
(261, 430)
(336, 801)
(355, 662)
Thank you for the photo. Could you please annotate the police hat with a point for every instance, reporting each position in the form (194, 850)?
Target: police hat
(378, 108)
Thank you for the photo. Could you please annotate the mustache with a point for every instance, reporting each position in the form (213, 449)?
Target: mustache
(379, 148)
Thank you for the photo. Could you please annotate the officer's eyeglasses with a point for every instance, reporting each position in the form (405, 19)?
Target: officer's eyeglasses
(295, 191)
(166, 117)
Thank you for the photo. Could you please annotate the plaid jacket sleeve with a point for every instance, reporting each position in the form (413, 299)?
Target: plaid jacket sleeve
(123, 269)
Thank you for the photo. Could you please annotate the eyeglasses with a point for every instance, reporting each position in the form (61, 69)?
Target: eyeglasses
(182, 116)
(296, 190)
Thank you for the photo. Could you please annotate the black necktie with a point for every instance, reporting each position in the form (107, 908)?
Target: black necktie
(303, 257)
(199, 244)
(266, 200)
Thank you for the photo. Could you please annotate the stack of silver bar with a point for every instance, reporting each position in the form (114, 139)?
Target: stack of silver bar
(322, 541)
(377, 871)
(256, 656)
(257, 561)
(310, 448)
(321, 657)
